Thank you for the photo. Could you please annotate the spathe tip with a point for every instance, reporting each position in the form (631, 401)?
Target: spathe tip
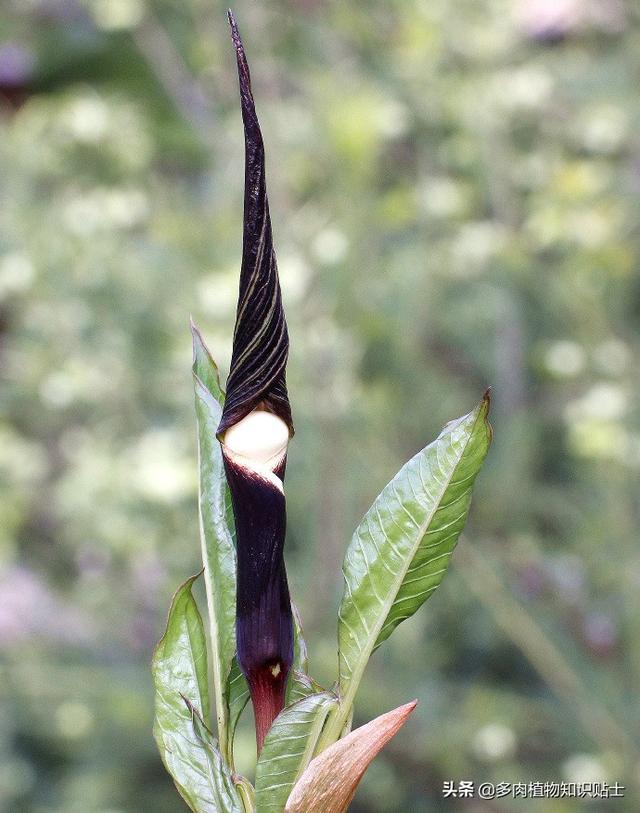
(235, 34)
(243, 66)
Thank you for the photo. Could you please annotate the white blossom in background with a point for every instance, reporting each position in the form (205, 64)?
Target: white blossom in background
(603, 401)
(16, 274)
(494, 741)
(582, 768)
(565, 358)
(330, 245)
(612, 356)
(118, 15)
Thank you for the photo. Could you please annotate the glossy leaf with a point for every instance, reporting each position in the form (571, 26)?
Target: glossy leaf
(330, 781)
(205, 370)
(181, 703)
(217, 791)
(401, 549)
(288, 748)
(216, 533)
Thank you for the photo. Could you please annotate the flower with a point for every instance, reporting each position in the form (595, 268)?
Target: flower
(254, 432)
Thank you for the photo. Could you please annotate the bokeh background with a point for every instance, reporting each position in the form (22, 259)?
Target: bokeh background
(454, 188)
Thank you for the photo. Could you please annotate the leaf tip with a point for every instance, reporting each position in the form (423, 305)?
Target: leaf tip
(196, 333)
(196, 337)
(203, 366)
(189, 705)
(185, 587)
(485, 408)
(398, 717)
(329, 782)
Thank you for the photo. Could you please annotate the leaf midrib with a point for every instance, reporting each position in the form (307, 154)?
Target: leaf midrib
(315, 721)
(372, 636)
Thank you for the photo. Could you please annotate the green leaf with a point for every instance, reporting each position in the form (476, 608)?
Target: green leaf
(300, 654)
(247, 793)
(217, 791)
(288, 748)
(401, 549)
(181, 702)
(216, 534)
(237, 696)
(299, 684)
(204, 367)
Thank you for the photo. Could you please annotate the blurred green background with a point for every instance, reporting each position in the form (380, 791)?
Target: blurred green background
(454, 188)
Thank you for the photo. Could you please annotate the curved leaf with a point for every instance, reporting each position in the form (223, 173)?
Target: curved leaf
(299, 684)
(401, 549)
(181, 701)
(329, 783)
(247, 793)
(216, 533)
(288, 748)
(217, 792)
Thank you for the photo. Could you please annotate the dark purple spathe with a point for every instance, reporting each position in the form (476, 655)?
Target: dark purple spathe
(264, 624)
(260, 341)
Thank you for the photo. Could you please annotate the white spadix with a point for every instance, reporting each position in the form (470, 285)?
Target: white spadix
(258, 442)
